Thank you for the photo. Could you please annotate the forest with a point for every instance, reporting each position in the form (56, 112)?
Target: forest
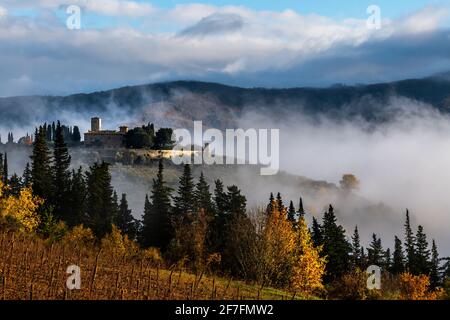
(202, 240)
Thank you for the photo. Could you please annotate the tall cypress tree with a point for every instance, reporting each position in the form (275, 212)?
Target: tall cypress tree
(1, 167)
(409, 246)
(41, 175)
(301, 210)
(335, 246)
(422, 252)
(26, 176)
(77, 200)
(125, 220)
(61, 175)
(202, 196)
(99, 200)
(279, 201)
(184, 201)
(157, 229)
(398, 263)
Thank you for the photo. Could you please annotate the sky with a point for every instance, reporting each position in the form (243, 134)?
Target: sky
(288, 43)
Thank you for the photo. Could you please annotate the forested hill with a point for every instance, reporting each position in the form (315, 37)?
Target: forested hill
(218, 104)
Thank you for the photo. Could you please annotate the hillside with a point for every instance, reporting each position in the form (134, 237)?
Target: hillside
(175, 103)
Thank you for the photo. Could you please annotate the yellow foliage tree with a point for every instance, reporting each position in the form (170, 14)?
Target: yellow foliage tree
(22, 209)
(417, 288)
(309, 266)
(279, 244)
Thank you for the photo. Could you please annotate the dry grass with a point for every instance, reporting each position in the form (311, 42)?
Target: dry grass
(33, 269)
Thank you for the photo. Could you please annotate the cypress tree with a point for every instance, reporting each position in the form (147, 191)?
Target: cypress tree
(157, 229)
(77, 200)
(398, 263)
(76, 136)
(422, 252)
(184, 201)
(41, 175)
(99, 199)
(1, 166)
(279, 202)
(61, 175)
(125, 220)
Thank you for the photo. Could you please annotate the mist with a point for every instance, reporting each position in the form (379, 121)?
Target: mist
(401, 164)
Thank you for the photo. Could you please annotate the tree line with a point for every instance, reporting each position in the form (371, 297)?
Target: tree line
(271, 245)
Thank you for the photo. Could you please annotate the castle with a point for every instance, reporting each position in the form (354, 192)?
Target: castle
(96, 137)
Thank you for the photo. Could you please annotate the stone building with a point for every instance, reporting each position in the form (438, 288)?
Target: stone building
(96, 137)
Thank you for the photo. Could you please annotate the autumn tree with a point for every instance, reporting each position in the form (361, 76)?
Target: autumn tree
(308, 265)
(349, 182)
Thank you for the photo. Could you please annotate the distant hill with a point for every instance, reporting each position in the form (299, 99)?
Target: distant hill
(219, 105)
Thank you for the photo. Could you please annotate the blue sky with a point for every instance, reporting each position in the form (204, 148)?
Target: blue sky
(245, 43)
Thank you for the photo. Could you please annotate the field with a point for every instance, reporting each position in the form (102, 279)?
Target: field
(31, 269)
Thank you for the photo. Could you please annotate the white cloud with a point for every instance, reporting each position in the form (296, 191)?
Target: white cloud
(3, 12)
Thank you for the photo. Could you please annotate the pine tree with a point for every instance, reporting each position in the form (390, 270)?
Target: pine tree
(41, 175)
(422, 252)
(99, 199)
(61, 175)
(291, 215)
(76, 136)
(398, 263)
(375, 251)
(356, 249)
(279, 202)
(316, 233)
(15, 185)
(1, 167)
(220, 199)
(301, 210)
(125, 220)
(220, 218)
(157, 228)
(335, 246)
(26, 176)
(387, 259)
(184, 201)
(236, 201)
(435, 280)
(203, 196)
(270, 207)
(409, 246)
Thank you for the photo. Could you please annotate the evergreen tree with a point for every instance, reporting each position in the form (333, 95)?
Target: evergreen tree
(335, 246)
(435, 280)
(99, 199)
(220, 218)
(356, 249)
(5, 169)
(125, 220)
(76, 136)
(77, 200)
(203, 196)
(398, 263)
(291, 216)
(184, 201)
(220, 199)
(301, 210)
(422, 252)
(387, 261)
(409, 246)
(61, 175)
(15, 185)
(375, 252)
(26, 176)
(1, 167)
(236, 201)
(157, 229)
(41, 175)
(316, 233)
(270, 205)
(279, 202)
